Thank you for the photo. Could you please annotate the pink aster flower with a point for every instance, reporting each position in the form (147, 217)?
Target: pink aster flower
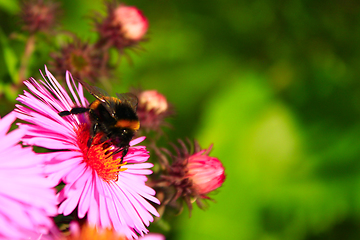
(27, 199)
(112, 195)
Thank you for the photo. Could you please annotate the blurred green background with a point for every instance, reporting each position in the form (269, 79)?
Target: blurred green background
(273, 84)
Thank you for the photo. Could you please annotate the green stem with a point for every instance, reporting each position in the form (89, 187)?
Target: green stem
(29, 49)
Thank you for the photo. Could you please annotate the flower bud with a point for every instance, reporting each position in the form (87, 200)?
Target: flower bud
(152, 109)
(205, 172)
(133, 23)
(153, 101)
(124, 26)
(192, 175)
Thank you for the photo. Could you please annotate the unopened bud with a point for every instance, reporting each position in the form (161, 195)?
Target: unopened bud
(152, 110)
(124, 26)
(132, 22)
(205, 172)
(153, 101)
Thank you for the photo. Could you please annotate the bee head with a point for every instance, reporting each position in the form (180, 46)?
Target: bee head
(121, 136)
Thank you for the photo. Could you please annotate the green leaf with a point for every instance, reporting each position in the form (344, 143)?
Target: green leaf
(10, 58)
(9, 6)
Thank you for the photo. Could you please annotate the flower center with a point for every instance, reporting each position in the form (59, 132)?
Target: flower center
(99, 156)
(78, 61)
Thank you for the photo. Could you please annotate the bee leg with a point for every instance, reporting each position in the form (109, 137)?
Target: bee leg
(93, 132)
(75, 110)
(124, 152)
(78, 110)
(90, 142)
(64, 113)
(94, 129)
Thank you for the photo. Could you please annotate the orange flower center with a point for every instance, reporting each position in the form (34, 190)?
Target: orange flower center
(100, 155)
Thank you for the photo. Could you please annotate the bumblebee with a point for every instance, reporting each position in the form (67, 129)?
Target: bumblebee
(113, 117)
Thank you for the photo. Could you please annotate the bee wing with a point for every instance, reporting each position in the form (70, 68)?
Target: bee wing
(100, 95)
(109, 105)
(128, 98)
(95, 91)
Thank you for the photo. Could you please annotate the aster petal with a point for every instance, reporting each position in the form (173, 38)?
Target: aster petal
(139, 202)
(142, 190)
(59, 161)
(137, 140)
(72, 83)
(84, 202)
(11, 139)
(6, 123)
(93, 213)
(124, 209)
(57, 89)
(116, 218)
(104, 214)
(73, 194)
(133, 207)
(140, 168)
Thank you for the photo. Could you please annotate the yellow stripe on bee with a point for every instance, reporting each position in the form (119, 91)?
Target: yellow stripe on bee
(132, 124)
(94, 104)
(99, 101)
(115, 99)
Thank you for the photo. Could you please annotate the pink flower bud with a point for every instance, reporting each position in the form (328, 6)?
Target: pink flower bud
(205, 172)
(153, 100)
(122, 27)
(153, 109)
(192, 175)
(133, 23)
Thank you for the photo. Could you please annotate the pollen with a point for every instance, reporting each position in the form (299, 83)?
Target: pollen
(99, 155)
